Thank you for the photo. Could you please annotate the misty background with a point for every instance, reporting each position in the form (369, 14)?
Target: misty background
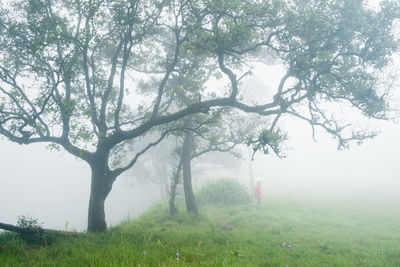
(54, 187)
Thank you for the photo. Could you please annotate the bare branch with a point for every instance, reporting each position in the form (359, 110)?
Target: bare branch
(115, 173)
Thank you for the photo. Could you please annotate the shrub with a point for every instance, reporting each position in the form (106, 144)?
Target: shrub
(224, 191)
(28, 222)
(33, 232)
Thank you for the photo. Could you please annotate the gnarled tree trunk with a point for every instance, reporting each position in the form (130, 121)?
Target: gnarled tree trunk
(101, 185)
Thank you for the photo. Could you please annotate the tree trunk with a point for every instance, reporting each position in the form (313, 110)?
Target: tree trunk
(35, 230)
(251, 178)
(99, 190)
(174, 183)
(172, 208)
(187, 173)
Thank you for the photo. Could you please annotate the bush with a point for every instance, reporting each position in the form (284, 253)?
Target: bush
(28, 222)
(34, 233)
(224, 191)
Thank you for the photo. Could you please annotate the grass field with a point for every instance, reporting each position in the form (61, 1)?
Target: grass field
(279, 232)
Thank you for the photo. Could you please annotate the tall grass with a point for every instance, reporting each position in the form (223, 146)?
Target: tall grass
(278, 232)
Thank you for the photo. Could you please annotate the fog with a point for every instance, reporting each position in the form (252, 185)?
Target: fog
(54, 186)
(317, 169)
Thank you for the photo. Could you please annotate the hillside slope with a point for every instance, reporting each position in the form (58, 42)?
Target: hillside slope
(279, 232)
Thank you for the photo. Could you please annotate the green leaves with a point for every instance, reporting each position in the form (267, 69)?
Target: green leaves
(68, 107)
(82, 133)
(268, 140)
(238, 31)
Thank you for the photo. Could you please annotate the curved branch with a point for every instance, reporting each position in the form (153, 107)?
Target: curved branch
(115, 173)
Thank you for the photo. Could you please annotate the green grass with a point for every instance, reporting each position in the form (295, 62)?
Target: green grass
(321, 234)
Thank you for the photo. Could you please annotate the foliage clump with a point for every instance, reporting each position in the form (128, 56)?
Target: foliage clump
(28, 222)
(225, 191)
(32, 232)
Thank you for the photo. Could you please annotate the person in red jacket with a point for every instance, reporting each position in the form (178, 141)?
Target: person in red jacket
(258, 192)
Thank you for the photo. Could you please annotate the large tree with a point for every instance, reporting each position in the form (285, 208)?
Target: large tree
(66, 68)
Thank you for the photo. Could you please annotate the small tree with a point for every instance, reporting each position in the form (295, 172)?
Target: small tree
(221, 132)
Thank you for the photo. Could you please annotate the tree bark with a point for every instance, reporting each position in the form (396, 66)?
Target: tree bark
(101, 185)
(174, 183)
(187, 173)
(37, 235)
(35, 230)
(251, 178)
(172, 208)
